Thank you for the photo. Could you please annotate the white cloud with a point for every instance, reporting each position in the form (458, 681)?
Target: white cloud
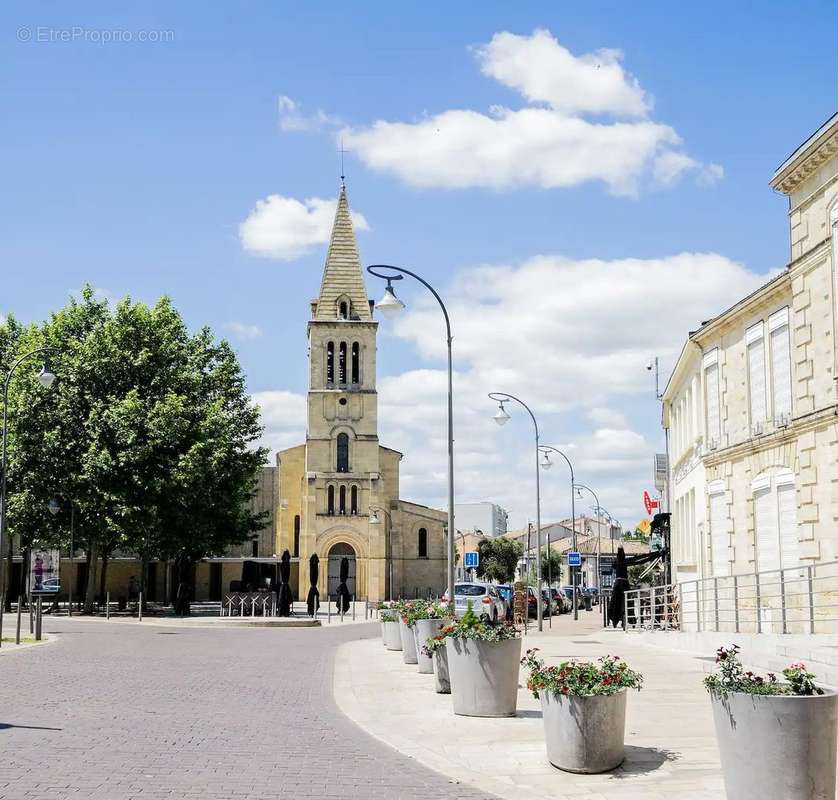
(284, 418)
(285, 228)
(543, 71)
(292, 117)
(242, 330)
(571, 338)
(548, 143)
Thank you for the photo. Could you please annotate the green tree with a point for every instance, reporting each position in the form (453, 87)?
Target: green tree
(555, 564)
(499, 559)
(148, 432)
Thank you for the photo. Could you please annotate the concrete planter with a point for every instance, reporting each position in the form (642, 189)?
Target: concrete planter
(424, 629)
(408, 643)
(584, 734)
(392, 635)
(442, 684)
(484, 676)
(777, 747)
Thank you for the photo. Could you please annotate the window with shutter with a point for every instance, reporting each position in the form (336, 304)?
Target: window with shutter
(756, 373)
(787, 516)
(711, 381)
(765, 519)
(780, 363)
(719, 538)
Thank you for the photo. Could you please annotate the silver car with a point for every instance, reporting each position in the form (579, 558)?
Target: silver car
(484, 597)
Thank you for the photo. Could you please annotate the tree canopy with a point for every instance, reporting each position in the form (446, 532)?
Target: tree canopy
(498, 558)
(148, 432)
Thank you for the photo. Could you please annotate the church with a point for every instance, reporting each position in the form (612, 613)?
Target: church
(337, 494)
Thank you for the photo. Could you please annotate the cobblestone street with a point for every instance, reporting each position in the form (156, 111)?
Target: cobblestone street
(122, 711)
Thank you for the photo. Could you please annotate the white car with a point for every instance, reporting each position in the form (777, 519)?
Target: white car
(484, 597)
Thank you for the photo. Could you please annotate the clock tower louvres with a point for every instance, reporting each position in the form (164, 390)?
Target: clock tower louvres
(328, 485)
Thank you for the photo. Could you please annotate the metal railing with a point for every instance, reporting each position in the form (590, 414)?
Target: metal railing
(792, 600)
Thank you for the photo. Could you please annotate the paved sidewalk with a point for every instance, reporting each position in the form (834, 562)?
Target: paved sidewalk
(671, 747)
(145, 712)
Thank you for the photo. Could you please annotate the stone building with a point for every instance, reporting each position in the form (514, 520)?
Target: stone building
(751, 403)
(339, 491)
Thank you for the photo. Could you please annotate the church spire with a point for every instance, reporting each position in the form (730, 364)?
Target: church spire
(343, 279)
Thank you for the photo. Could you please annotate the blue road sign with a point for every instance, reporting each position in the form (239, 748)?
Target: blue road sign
(574, 559)
(472, 559)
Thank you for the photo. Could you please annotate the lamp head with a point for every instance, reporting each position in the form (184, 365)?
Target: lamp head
(53, 506)
(547, 463)
(501, 417)
(390, 305)
(374, 518)
(46, 377)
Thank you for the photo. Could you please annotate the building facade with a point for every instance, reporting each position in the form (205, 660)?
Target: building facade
(751, 404)
(488, 518)
(339, 491)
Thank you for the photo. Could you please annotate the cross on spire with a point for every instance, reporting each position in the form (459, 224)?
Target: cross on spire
(342, 151)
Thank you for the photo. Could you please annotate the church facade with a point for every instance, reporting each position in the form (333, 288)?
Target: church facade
(338, 493)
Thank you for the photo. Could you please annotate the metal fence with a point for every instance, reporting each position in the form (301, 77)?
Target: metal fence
(792, 600)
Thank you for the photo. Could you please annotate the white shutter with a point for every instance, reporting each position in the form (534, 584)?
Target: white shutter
(781, 371)
(711, 382)
(768, 541)
(787, 513)
(719, 535)
(756, 379)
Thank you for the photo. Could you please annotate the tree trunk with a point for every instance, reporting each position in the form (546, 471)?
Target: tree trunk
(6, 582)
(90, 594)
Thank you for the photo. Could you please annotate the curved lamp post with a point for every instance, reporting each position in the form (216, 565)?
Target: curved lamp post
(376, 520)
(46, 378)
(579, 488)
(502, 417)
(54, 506)
(390, 306)
(546, 464)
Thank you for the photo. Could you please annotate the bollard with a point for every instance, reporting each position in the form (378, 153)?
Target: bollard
(19, 605)
(329, 608)
(140, 608)
(38, 620)
(107, 605)
(353, 607)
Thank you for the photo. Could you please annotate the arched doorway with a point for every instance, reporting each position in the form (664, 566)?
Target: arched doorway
(337, 553)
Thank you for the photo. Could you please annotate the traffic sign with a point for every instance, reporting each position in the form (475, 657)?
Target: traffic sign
(574, 559)
(472, 559)
(648, 503)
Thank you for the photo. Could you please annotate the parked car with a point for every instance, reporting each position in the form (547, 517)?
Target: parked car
(507, 593)
(551, 607)
(562, 603)
(484, 597)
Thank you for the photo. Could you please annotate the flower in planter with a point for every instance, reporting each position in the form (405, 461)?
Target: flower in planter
(436, 642)
(389, 612)
(413, 610)
(607, 676)
(733, 677)
(470, 626)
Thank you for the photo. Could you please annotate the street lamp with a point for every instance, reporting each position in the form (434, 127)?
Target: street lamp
(46, 378)
(54, 506)
(501, 417)
(376, 520)
(546, 464)
(390, 306)
(579, 488)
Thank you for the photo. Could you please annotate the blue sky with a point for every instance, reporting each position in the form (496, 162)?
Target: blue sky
(131, 165)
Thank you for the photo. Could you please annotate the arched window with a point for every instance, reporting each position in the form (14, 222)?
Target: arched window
(343, 310)
(356, 363)
(330, 362)
(297, 536)
(330, 500)
(343, 452)
(423, 543)
(342, 500)
(342, 364)
(353, 502)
